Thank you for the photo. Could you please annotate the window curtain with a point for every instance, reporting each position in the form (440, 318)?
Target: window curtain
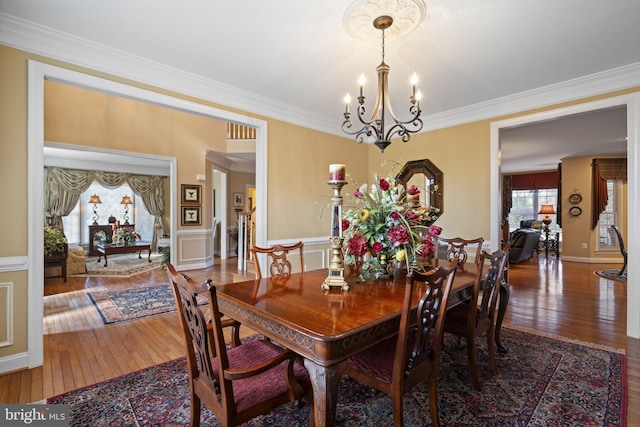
(559, 199)
(603, 170)
(63, 188)
(507, 203)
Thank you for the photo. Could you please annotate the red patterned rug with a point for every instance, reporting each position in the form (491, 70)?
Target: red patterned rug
(542, 381)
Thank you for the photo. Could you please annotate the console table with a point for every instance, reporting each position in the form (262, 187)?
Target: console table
(111, 249)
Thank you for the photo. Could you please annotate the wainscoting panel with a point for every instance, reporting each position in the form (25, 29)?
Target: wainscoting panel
(194, 249)
(6, 320)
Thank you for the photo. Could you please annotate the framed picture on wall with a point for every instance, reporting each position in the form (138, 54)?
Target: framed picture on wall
(191, 215)
(191, 194)
(238, 200)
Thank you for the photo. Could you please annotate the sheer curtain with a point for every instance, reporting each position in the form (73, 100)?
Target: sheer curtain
(63, 188)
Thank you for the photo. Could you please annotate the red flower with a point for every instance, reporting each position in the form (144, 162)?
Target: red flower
(428, 248)
(413, 190)
(384, 184)
(395, 216)
(345, 224)
(358, 245)
(357, 194)
(398, 235)
(377, 247)
(434, 230)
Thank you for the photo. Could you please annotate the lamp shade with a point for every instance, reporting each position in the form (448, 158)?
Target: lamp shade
(126, 200)
(547, 210)
(95, 199)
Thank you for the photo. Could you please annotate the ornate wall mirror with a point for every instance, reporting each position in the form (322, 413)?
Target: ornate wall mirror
(428, 178)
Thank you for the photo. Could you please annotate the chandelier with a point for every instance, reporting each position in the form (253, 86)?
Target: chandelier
(382, 117)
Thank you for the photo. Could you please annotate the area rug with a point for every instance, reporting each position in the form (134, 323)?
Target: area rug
(122, 265)
(541, 381)
(134, 303)
(612, 274)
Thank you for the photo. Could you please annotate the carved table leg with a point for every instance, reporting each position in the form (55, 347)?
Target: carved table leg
(502, 309)
(324, 381)
(105, 259)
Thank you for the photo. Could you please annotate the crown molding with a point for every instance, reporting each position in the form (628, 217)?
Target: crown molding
(41, 40)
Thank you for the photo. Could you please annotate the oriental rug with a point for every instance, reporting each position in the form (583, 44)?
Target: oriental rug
(129, 304)
(612, 274)
(121, 265)
(541, 381)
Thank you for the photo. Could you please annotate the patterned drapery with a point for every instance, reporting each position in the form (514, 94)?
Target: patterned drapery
(603, 170)
(63, 188)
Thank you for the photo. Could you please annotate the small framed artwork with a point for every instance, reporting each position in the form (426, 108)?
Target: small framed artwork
(191, 215)
(191, 194)
(238, 200)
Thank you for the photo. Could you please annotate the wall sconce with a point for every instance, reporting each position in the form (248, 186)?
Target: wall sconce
(126, 201)
(95, 199)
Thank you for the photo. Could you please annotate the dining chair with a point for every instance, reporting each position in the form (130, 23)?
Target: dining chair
(280, 266)
(457, 247)
(478, 316)
(241, 382)
(397, 364)
(623, 251)
(202, 288)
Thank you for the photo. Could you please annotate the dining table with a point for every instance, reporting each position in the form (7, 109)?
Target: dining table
(326, 327)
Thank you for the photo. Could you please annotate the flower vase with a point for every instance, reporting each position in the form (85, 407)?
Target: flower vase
(353, 271)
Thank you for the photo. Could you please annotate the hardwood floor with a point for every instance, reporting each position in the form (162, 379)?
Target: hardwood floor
(547, 295)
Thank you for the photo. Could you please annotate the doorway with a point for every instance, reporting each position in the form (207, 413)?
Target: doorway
(632, 104)
(39, 72)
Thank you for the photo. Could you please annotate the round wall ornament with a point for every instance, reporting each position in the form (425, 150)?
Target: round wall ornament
(575, 198)
(575, 211)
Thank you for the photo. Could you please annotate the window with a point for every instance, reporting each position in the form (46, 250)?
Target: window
(526, 204)
(76, 224)
(607, 240)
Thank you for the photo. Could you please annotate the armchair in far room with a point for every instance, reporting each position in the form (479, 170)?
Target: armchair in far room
(522, 243)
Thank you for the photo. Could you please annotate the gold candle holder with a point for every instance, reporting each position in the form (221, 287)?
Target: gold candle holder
(336, 279)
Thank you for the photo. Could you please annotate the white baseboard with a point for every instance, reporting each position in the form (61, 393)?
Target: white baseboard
(14, 362)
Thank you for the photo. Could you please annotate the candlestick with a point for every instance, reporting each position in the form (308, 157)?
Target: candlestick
(336, 261)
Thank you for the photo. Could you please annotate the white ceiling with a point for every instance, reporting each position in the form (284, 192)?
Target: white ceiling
(297, 54)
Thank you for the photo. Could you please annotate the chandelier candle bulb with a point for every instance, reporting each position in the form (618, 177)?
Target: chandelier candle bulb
(337, 172)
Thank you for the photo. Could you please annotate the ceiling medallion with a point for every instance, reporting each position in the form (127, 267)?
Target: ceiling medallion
(406, 15)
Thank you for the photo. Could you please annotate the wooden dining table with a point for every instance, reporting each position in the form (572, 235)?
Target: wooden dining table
(326, 327)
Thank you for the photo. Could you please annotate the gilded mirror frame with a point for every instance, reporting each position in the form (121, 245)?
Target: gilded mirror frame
(431, 171)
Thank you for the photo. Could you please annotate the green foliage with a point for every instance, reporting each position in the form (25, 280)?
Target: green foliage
(54, 241)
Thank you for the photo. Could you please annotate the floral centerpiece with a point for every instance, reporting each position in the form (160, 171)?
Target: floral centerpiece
(124, 235)
(54, 241)
(388, 226)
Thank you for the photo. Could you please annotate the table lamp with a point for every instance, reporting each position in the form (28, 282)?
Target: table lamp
(95, 199)
(547, 210)
(126, 201)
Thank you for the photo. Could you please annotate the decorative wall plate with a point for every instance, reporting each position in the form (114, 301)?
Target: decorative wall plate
(575, 198)
(575, 211)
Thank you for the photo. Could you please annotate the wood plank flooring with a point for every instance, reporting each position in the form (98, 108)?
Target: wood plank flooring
(547, 295)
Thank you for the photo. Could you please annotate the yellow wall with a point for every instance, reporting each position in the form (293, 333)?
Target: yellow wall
(298, 160)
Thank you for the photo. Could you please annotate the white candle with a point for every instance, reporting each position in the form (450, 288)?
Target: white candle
(336, 172)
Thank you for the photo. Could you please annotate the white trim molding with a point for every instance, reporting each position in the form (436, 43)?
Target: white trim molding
(41, 40)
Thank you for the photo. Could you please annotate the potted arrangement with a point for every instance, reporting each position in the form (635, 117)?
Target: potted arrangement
(388, 230)
(54, 242)
(124, 236)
